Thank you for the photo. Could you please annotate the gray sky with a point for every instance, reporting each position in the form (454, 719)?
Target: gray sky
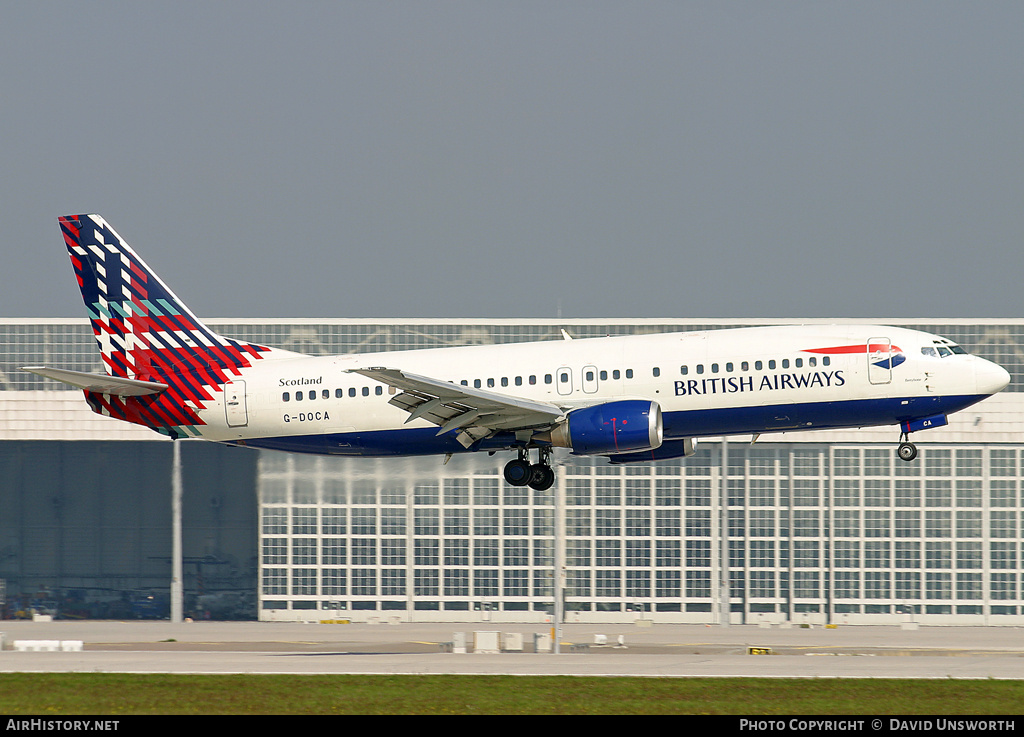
(499, 159)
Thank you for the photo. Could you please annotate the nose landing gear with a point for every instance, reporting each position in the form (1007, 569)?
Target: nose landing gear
(538, 476)
(906, 451)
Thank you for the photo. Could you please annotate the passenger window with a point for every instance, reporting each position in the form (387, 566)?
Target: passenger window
(744, 366)
(700, 368)
(519, 381)
(366, 391)
(785, 363)
(604, 376)
(825, 360)
(799, 362)
(758, 365)
(590, 376)
(298, 396)
(490, 383)
(533, 379)
(657, 371)
(326, 394)
(351, 391)
(476, 383)
(812, 361)
(378, 390)
(563, 377)
(547, 378)
(714, 368)
(616, 374)
(728, 368)
(771, 365)
(312, 393)
(286, 396)
(684, 370)
(339, 393)
(629, 373)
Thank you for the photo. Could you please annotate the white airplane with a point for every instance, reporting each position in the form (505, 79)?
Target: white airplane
(632, 398)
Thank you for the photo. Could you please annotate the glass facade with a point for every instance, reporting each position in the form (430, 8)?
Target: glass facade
(819, 533)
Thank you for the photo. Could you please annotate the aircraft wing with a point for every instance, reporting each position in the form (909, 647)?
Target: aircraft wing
(99, 383)
(475, 413)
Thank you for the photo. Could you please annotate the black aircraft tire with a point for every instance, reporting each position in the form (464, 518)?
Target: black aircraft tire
(907, 452)
(518, 472)
(542, 477)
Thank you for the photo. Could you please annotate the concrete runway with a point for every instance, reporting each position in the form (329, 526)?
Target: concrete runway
(660, 650)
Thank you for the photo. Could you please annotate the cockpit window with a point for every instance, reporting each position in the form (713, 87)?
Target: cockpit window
(943, 348)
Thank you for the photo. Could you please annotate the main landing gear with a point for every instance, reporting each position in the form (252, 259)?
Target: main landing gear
(538, 476)
(907, 450)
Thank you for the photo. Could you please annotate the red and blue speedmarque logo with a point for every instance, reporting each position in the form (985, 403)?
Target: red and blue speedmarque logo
(881, 355)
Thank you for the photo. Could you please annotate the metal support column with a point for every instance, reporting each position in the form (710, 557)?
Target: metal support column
(177, 589)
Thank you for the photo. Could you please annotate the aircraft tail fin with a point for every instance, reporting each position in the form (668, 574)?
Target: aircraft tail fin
(145, 333)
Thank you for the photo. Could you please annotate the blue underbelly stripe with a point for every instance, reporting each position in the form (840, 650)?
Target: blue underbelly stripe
(686, 424)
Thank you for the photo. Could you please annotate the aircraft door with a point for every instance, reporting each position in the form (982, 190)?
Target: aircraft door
(563, 380)
(589, 377)
(879, 360)
(234, 404)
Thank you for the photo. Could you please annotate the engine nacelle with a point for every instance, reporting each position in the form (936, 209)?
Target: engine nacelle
(613, 427)
(669, 449)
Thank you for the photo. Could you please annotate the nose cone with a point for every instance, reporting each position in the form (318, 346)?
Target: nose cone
(989, 377)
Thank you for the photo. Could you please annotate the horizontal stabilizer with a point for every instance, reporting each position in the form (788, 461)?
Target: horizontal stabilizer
(99, 383)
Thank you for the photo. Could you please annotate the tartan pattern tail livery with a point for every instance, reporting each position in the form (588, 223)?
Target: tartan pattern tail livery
(145, 333)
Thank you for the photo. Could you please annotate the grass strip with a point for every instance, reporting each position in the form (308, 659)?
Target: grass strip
(116, 694)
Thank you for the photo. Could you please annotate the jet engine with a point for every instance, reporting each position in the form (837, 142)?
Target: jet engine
(625, 426)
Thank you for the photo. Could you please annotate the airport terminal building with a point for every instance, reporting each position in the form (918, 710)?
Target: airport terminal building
(818, 527)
